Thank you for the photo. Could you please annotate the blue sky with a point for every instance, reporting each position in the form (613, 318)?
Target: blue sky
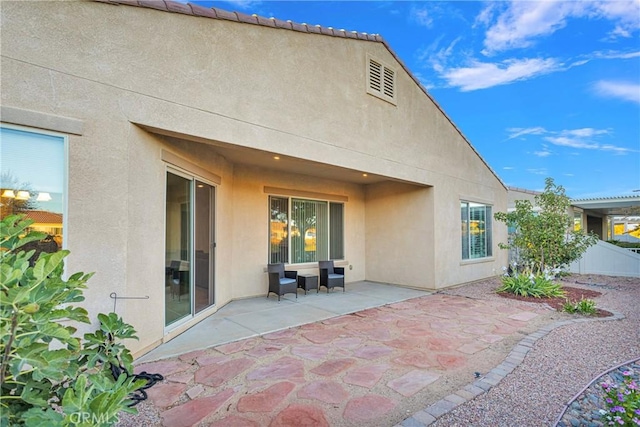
(540, 89)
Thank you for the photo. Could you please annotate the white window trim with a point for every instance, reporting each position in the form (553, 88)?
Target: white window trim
(65, 173)
(486, 257)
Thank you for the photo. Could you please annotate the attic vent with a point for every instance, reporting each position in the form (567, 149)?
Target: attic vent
(381, 80)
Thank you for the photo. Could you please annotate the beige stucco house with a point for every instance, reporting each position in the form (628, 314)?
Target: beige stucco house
(187, 148)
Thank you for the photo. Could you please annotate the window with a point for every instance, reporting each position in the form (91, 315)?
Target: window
(381, 80)
(476, 230)
(302, 230)
(33, 181)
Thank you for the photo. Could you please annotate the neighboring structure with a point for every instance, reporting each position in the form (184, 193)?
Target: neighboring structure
(605, 217)
(186, 148)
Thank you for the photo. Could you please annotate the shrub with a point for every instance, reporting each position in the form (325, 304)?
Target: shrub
(49, 376)
(584, 306)
(622, 402)
(528, 284)
(545, 239)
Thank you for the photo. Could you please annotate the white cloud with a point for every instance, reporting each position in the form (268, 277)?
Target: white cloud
(624, 90)
(581, 138)
(625, 15)
(517, 132)
(541, 171)
(521, 22)
(508, 168)
(584, 132)
(482, 75)
(565, 141)
(421, 16)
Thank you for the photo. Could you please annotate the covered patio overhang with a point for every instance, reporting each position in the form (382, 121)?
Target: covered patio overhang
(600, 211)
(274, 160)
(610, 206)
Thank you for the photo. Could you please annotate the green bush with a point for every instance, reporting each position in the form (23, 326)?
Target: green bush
(527, 284)
(584, 306)
(49, 376)
(545, 239)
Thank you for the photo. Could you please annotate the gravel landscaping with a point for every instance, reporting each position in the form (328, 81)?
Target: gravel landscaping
(561, 363)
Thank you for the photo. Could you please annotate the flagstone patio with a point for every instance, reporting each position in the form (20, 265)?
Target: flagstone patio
(374, 367)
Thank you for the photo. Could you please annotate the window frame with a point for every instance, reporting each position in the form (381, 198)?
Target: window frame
(466, 230)
(65, 170)
(289, 203)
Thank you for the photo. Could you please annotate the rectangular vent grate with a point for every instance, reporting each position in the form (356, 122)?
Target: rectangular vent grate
(381, 80)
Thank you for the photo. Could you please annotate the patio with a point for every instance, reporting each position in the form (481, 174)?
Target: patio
(259, 362)
(252, 317)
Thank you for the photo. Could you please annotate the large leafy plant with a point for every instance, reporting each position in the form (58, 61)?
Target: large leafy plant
(545, 240)
(48, 375)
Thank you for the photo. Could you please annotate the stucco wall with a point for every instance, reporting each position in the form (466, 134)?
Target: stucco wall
(302, 95)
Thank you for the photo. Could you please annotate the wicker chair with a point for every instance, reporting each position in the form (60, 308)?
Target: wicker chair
(330, 276)
(282, 282)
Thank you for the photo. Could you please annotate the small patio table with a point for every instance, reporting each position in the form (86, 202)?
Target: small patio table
(307, 282)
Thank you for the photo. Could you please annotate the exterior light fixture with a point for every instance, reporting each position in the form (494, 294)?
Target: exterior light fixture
(23, 195)
(9, 194)
(276, 157)
(364, 174)
(43, 197)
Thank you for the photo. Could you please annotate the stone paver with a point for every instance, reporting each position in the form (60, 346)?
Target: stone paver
(367, 408)
(352, 370)
(412, 382)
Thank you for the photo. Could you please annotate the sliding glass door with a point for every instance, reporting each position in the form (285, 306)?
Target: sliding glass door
(189, 247)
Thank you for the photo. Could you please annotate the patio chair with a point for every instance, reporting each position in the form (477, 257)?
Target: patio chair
(331, 276)
(282, 282)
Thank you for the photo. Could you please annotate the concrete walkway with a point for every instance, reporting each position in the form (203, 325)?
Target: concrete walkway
(377, 366)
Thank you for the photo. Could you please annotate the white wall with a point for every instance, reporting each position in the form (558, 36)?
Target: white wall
(607, 259)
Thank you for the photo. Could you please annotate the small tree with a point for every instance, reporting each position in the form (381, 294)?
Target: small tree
(48, 376)
(545, 239)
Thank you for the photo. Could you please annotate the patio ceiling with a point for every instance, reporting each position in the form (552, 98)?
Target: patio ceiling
(614, 206)
(276, 161)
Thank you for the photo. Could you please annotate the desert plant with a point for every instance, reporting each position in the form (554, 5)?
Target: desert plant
(584, 306)
(529, 284)
(49, 376)
(545, 239)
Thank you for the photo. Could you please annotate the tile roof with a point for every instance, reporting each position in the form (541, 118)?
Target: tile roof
(45, 217)
(215, 13)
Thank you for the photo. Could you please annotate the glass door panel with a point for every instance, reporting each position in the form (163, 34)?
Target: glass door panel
(178, 249)
(203, 290)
